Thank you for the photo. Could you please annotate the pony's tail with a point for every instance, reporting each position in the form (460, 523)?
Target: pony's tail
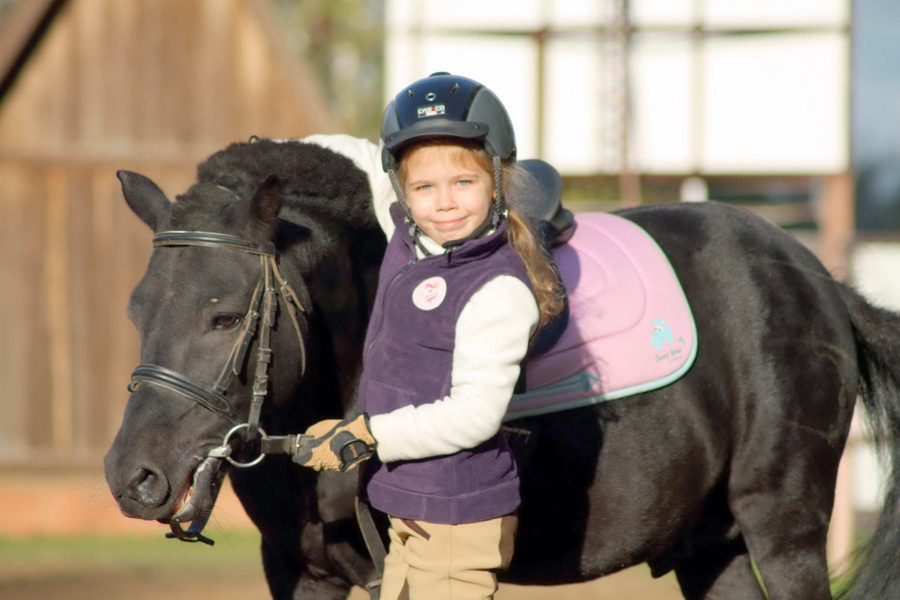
(874, 575)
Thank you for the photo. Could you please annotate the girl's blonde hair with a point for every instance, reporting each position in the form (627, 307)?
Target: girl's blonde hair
(517, 184)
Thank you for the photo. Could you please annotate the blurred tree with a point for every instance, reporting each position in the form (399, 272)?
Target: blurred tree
(343, 41)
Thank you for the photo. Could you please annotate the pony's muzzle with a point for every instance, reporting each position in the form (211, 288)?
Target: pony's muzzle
(147, 488)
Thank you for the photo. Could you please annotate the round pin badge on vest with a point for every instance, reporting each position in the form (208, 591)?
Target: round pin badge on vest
(429, 294)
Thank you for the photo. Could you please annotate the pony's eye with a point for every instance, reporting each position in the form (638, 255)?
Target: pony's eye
(226, 321)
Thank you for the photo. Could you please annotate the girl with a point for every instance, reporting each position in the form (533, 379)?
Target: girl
(463, 288)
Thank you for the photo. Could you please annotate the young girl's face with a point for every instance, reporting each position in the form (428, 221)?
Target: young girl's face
(448, 192)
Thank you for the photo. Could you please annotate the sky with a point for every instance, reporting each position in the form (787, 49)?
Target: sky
(876, 113)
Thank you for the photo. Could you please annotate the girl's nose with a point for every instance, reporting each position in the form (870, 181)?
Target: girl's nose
(445, 199)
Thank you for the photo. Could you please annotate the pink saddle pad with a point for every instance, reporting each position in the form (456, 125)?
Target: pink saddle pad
(630, 326)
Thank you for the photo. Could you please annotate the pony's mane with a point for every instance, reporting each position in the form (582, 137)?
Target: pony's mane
(316, 181)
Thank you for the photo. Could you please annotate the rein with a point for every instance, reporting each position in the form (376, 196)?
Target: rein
(258, 321)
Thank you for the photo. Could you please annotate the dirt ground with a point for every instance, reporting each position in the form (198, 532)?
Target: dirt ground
(63, 538)
(242, 585)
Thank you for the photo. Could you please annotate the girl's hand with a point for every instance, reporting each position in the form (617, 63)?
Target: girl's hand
(338, 445)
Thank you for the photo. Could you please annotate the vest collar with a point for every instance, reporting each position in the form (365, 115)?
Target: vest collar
(468, 251)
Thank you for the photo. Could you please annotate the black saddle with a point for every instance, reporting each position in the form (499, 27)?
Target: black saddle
(557, 224)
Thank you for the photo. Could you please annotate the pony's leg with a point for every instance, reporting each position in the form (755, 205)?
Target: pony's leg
(288, 581)
(719, 572)
(783, 506)
(789, 550)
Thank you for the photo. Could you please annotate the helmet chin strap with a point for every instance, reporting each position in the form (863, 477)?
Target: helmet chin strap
(498, 184)
(490, 222)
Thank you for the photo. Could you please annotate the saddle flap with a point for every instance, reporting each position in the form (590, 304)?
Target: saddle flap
(547, 206)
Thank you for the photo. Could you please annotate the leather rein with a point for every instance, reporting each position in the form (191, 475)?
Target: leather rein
(257, 322)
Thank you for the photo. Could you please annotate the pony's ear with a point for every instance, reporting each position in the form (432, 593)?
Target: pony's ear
(264, 207)
(146, 199)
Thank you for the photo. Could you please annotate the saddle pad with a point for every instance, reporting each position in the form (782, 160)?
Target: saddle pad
(630, 326)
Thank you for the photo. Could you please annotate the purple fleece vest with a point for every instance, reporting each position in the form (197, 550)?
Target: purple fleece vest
(408, 360)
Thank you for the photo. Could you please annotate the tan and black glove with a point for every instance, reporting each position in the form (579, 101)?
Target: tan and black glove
(337, 445)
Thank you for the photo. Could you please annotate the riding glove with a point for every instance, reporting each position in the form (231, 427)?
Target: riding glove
(337, 445)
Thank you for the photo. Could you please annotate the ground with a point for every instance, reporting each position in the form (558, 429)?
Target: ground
(153, 583)
(62, 537)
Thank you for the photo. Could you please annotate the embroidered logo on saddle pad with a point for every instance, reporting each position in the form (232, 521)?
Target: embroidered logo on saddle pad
(630, 327)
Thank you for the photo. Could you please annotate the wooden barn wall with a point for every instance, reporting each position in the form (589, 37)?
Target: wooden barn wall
(70, 253)
(115, 76)
(152, 86)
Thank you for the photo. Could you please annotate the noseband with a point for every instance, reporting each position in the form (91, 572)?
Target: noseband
(260, 318)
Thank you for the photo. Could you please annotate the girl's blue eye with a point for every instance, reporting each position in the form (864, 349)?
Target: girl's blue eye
(464, 182)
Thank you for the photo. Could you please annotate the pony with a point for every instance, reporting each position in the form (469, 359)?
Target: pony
(725, 476)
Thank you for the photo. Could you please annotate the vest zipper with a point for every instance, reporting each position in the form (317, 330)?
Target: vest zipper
(377, 334)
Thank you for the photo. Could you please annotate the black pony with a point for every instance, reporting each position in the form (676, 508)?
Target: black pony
(737, 459)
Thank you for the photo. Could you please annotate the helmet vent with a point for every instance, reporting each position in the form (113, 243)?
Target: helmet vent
(430, 96)
(453, 88)
(410, 93)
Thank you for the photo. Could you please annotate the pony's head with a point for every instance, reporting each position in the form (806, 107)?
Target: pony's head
(224, 313)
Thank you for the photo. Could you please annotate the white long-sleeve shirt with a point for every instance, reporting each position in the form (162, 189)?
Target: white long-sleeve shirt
(491, 339)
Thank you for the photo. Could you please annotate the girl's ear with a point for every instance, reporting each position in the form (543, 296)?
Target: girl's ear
(264, 207)
(146, 200)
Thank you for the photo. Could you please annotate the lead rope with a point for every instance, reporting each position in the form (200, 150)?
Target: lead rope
(371, 537)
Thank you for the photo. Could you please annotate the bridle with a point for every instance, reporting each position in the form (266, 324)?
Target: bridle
(258, 321)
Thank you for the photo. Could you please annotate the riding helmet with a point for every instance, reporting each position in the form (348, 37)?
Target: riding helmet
(445, 105)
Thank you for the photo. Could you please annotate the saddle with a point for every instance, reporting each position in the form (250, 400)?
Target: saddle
(557, 224)
(627, 327)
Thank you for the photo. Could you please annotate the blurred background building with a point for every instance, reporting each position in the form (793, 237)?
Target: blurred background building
(788, 107)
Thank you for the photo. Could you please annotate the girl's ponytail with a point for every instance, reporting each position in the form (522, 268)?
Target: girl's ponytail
(544, 279)
(548, 291)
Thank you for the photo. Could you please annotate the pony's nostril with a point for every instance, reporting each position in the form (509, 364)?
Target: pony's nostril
(148, 487)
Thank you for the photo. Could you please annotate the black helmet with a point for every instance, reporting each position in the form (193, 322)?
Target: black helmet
(450, 106)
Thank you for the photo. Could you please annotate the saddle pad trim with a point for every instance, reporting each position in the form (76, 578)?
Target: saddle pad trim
(583, 381)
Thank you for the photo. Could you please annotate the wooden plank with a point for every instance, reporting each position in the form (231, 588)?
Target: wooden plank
(153, 104)
(836, 218)
(57, 315)
(33, 341)
(88, 298)
(13, 329)
(82, 300)
(91, 64)
(119, 85)
(211, 107)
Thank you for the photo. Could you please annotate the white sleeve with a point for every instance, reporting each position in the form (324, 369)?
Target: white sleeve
(366, 156)
(491, 339)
